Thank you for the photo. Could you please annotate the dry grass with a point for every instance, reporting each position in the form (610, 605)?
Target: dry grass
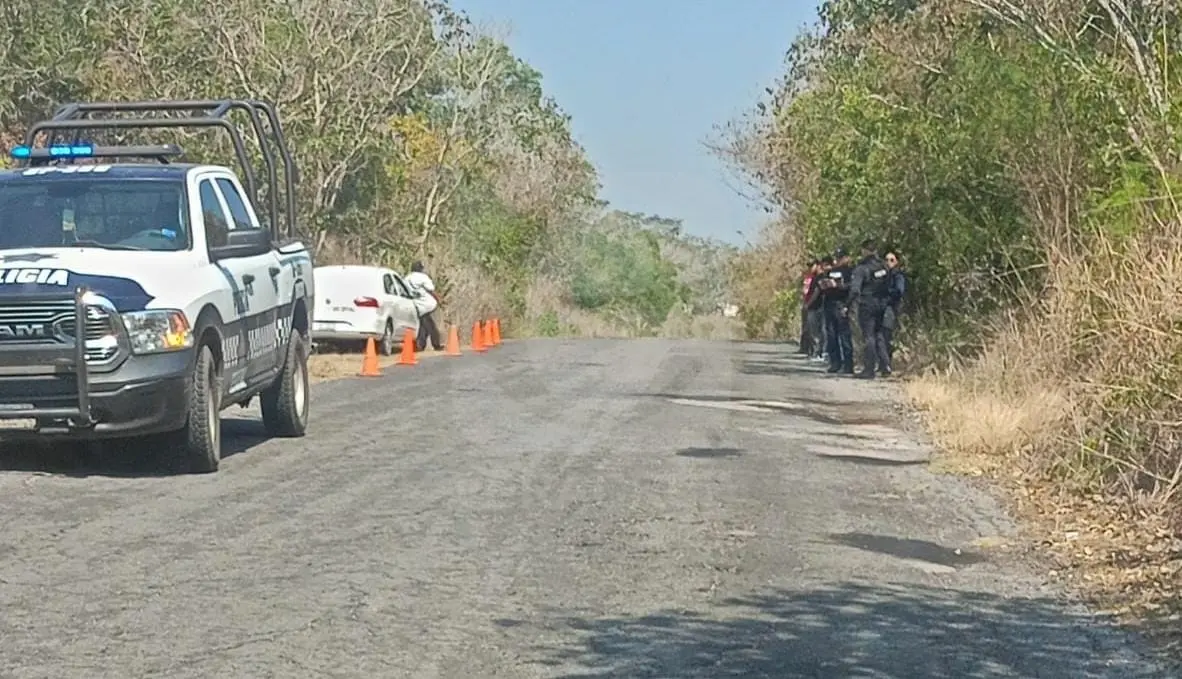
(1117, 549)
(707, 327)
(1078, 413)
(548, 314)
(978, 428)
(470, 295)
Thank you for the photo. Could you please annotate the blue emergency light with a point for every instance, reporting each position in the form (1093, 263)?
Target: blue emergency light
(55, 151)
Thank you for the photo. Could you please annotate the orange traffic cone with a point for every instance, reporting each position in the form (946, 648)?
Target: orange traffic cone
(488, 340)
(453, 342)
(478, 338)
(407, 357)
(369, 365)
(496, 331)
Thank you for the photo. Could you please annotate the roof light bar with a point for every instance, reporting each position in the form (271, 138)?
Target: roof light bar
(67, 151)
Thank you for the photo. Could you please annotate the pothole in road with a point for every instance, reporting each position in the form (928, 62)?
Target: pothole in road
(927, 556)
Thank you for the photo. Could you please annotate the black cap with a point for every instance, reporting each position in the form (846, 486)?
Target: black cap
(839, 253)
(826, 260)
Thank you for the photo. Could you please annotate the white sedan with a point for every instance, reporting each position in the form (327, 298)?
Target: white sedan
(354, 303)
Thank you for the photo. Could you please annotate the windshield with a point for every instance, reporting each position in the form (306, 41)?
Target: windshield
(120, 214)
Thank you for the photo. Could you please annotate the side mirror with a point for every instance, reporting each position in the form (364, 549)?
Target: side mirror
(243, 243)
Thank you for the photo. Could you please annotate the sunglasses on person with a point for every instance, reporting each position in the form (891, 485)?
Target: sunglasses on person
(891, 259)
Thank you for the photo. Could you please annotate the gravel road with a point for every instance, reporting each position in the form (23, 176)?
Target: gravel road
(581, 509)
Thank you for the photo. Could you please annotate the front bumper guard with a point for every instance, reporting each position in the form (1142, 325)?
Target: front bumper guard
(63, 360)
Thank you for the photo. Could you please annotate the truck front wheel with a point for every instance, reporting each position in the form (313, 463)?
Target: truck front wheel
(285, 402)
(197, 447)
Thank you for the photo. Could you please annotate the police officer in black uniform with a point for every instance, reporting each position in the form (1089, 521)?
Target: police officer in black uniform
(870, 289)
(835, 289)
(898, 286)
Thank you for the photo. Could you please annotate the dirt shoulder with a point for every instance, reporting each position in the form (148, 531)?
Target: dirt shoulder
(1119, 557)
(335, 365)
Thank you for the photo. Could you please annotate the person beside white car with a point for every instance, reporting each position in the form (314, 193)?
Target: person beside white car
(427, 302)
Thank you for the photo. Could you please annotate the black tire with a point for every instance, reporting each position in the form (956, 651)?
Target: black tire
(285, 402)
(386, 343)
(197, 447)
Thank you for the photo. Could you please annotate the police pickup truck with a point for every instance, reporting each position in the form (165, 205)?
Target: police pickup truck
(140, 298)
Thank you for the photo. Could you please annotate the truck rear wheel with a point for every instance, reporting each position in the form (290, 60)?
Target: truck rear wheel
(197, 448)
(285, 402)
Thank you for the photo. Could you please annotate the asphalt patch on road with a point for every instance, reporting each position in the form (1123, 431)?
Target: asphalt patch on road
(709, 453)
(747, 398)
(869, 461)
(844, 414)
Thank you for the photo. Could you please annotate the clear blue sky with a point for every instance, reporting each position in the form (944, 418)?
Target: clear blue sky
(646, 81)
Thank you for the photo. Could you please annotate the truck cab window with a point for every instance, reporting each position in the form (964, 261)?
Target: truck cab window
(216, 224)
(238, 211)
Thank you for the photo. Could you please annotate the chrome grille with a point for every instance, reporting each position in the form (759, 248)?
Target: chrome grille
(50, 323)
(100, 345)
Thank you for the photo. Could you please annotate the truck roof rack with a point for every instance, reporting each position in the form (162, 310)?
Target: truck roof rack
(213, 113)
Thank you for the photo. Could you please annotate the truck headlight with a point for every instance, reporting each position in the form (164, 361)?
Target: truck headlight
(157, 330)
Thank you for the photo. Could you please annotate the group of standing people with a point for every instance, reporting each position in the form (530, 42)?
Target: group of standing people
(835, 291)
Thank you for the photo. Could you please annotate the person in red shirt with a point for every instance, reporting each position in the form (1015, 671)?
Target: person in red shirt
(812, 305)
(810, 341)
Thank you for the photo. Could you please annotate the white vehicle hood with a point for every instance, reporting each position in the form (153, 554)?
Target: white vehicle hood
(132, 280)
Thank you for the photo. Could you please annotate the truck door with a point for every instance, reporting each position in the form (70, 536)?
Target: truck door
(216, 222)
(260, 277)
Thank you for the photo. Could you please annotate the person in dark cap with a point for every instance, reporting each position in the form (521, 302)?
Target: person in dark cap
(870, 292)
(836, 312)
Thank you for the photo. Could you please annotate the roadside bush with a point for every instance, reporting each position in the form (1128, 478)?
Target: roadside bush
(1025, 161)
(624, 276)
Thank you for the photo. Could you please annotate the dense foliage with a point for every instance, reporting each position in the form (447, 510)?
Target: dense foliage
(640, 268)
(416, 135)
(1025, 157)
(945, 128)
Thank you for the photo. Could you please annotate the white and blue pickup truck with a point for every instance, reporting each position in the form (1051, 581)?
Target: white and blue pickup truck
(142, 297)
